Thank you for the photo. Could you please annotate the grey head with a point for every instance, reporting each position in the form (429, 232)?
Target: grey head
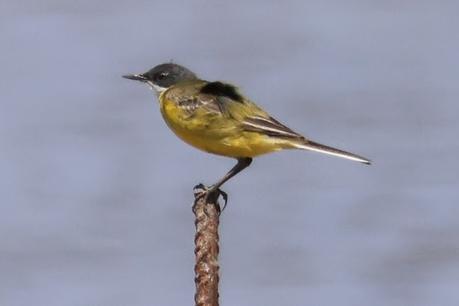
(163, 76)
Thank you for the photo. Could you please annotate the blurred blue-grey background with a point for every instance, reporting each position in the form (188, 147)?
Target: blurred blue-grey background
(96, 192)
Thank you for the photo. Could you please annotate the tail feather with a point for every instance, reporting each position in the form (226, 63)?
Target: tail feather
(317, 147)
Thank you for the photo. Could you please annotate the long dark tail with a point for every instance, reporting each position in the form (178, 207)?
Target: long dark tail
(314, 146)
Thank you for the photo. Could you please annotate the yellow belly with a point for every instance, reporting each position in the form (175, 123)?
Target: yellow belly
(216, 134)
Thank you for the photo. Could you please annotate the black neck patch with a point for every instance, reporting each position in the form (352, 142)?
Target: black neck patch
(222, 89)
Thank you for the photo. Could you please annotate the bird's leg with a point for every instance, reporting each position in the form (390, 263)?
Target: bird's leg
(213, 192)
(242, 163)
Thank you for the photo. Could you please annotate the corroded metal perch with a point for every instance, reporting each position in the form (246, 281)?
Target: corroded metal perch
(207, 212)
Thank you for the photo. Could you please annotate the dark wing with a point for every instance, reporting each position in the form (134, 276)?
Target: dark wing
(220, 89)
(269, 126)
(193, 103)
(253, 118)
(212, 97)
(228, 100)
(222, 99)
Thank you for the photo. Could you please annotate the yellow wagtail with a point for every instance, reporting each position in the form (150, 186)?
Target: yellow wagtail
(215, 117)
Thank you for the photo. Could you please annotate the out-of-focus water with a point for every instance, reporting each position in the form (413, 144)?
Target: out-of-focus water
(95, 191)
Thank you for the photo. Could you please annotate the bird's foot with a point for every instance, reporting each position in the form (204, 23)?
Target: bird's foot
(211, 195)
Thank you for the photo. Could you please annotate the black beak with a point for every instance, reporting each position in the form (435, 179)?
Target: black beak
(135, 77)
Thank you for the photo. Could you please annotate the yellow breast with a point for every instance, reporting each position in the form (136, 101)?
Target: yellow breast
(215, 133)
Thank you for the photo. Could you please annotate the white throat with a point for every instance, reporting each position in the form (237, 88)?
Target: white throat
(158, 89)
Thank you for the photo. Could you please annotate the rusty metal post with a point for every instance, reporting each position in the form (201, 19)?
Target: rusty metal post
(206, 251)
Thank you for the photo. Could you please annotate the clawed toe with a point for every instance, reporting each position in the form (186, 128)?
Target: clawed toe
(199, 190)
(211, 195)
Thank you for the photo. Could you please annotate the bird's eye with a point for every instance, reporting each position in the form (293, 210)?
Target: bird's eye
(162, 75)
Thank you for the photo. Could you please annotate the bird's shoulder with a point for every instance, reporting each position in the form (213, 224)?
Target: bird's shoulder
(217, 96)
(184, 89)
(224, 99)
(220, 90)
(251, 116)
(216, 89)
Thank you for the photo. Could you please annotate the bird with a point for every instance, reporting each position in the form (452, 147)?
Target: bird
(215, 117)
